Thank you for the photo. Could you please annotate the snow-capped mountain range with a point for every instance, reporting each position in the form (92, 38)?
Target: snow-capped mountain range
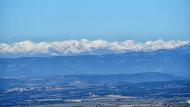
(83, 46)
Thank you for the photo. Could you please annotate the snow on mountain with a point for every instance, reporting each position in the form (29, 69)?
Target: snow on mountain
(84, 46)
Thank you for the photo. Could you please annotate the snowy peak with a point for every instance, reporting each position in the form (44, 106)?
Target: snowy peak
(84, 46)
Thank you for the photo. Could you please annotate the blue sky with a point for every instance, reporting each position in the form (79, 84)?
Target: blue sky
(52, 20)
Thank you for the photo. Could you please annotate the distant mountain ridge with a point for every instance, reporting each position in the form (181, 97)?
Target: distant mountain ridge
(174, 61)
(83, 47)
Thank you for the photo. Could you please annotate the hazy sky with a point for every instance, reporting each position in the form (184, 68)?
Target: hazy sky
(50, 20)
